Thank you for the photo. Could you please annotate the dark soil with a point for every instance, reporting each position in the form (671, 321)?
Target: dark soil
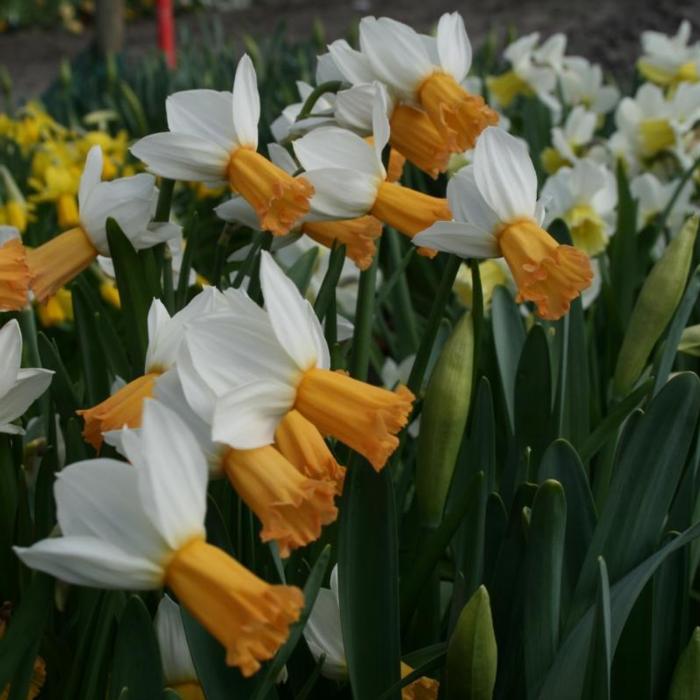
(602, 30)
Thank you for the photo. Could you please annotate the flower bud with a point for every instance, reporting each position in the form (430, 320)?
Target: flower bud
(656, 304)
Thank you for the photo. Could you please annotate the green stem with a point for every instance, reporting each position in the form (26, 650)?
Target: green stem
(165, 200)
(442, 296)
(27, 323)
(163, 256)
(330, 281)
(330, 86)
(676, 193)
(254, 290)
(364, 318)
(407, 319)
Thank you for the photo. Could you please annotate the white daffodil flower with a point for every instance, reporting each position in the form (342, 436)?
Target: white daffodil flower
(585, 197)
(582, 84)
(213, 137)
(19, 388)
(569, 141)
(141, 527)
(263, 364)
(130, 201)
(179, 672)
(165, 334)
(350, 180)
(14, 270)
(653, 196)
(359, 235)
(497, 214)
(651, 123)
(669, 60)
(426, 71)
(533, 71)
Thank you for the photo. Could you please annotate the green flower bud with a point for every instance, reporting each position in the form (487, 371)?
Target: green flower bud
(472, 655)
(656, 304)
(443, 420)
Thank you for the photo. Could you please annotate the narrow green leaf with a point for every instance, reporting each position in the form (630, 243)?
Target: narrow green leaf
(191, 241)
(509, 338)
(303, 268)
(597, 683)
(326, 292)
(136, 663)
(544, 566)
(63, 392)
(367, 542)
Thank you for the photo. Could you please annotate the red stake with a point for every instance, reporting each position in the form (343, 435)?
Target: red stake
(166, 30)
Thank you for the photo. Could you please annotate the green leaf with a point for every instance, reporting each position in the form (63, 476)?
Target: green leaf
(565, 679)
(136, 664)
(63, 392)
(597, 683)
(645, 479)
(533, 395)
(560, 462)
(9, 495)
(326, 292)
(311, 589)
(472, 655)
(135, 291)
(191, 234)
(95, 374)
(686, 677)
(303, 268)
(544, 565)
(219, 681)
(27, 624)
(368, 579)
(509, 338)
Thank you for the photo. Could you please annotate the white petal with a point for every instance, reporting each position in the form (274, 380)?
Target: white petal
(11, 354)
(205, 114)
(380, 126)
(30, 385)
(178, 666)
(341, 194)
(8, 233)
(154, 233)
(238, 211)
(395, 52)
(504, 174)
(156, 321)
(99, 498)
(293, 320)
(332, 147)
(199, 395)
(353, 108)
(324, 635)
(280, 156)
(246, 103)
(248, 416)
(173, 485)
(92, 174)
(326, 69)
(353, 65)
(453, 45)
(182, 157)
(465, 240)
(466, 202)
(87, 561)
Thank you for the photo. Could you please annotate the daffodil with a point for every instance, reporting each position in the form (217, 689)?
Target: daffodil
(141, 527)
(653, 196)
(569, 141)
(324, 637)
(358, 235)
(493, 273)
(56, 310)
(213, 137)
(350, 180)
(288, 126)
(289, 486)
(533, 71)
(582, 84)
(585, 197)
(179, 672)
(14, 270)
(428, 71)
(165, 334)
(495, 202)
(130, 201)
(669, 60)
(19, 388)
(15, 210)
(651, 123)
(266, 364)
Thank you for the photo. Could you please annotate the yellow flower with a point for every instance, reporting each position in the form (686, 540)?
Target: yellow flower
(56, 310)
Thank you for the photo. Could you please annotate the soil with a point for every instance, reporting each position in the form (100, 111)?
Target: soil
(606, 31)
